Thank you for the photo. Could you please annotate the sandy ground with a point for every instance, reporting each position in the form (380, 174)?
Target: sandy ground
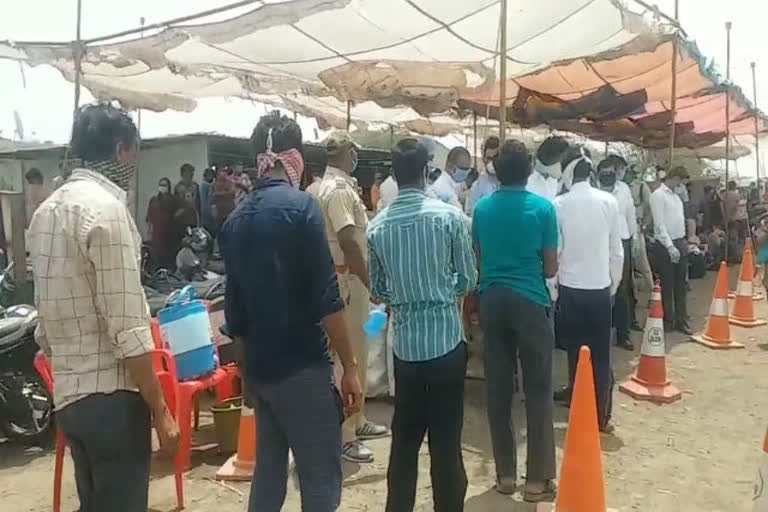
(699, 454)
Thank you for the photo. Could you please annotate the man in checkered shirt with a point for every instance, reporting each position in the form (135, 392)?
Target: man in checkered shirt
(94, 318)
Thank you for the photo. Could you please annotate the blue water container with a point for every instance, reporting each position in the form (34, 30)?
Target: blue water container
(186, 328)
(377, 319)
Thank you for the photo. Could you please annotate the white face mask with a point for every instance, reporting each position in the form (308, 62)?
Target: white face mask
(555, 170)
(490, 169)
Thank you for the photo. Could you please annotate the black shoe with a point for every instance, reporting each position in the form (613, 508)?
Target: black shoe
(684, 329)
(563, 396)
(626, 344)
(636, 326)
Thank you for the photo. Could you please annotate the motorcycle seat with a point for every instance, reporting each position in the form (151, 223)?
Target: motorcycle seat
(9, 326)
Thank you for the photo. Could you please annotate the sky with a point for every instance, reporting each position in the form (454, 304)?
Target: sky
(44, 99)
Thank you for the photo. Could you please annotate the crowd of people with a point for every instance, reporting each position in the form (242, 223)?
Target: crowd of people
(545, 241)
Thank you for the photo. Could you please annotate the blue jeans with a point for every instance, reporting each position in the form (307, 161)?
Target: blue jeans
(302, 413)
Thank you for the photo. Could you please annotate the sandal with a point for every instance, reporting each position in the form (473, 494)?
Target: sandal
(547, 494)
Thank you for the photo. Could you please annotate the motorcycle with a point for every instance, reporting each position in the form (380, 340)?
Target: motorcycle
(26, 406)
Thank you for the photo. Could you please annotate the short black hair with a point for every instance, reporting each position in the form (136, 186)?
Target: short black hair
(34, 176)
(209, 173)
(616, 161)
(491, 143)
(409, 159)
(551, 150)
(583, 169)
(286, 134)
(513, 165)
(186, 168)
(455, 153)
(607, 163)
(732, 185)
(97, 129)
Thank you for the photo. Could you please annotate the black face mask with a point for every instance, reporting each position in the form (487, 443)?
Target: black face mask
(607, 180)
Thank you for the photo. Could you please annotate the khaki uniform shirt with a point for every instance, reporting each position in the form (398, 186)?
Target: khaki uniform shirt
(342, 207)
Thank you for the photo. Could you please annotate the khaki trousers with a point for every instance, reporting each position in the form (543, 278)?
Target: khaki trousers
(357, 300)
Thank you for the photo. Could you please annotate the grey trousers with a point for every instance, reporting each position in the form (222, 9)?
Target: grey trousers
(109, 437)
(302, 412)
(512, 325)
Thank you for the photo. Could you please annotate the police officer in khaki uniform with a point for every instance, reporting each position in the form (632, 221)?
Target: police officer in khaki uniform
(346, 222)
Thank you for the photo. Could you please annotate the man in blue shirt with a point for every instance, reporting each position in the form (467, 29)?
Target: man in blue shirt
(282, 298)
(515, 234)
(421, 264)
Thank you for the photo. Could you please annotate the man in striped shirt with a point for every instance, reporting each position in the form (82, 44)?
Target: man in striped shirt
(421, 264)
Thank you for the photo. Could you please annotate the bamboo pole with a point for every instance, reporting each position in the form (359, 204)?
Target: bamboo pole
(503, 72)
(349, 114)
(728, 26)
(757, 129)
(78, 53)
(474, 135)
(673, 92)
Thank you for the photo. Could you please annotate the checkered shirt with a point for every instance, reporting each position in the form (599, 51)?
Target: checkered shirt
(85, 252)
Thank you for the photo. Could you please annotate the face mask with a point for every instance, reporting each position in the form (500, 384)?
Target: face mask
(607, 180)
(490, 169)
(354, 162)
(163, 189)
(460, 174)
(119, 174)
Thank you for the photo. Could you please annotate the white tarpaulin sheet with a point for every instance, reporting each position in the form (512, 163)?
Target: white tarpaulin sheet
(399, 61)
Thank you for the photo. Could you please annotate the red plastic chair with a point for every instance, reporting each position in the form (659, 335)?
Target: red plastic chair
(165, 367)
(224, 380)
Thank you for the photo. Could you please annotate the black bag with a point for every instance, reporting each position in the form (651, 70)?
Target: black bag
(697, 265)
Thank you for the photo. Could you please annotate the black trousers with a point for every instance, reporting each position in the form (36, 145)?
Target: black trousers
(674, 290)
(624, 302)
(429, 398)
(586, 320)
(514, 325)
(109, 437)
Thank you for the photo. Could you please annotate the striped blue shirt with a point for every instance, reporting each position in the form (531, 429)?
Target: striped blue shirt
(421, 264)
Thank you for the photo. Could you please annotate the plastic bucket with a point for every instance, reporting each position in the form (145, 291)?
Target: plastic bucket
(185, 326)
(226, 422)
(195, 363)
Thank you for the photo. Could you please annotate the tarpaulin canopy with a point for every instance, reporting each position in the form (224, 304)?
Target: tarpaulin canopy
(597, 67)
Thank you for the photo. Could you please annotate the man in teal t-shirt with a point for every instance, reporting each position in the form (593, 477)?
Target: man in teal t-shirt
(515, 234)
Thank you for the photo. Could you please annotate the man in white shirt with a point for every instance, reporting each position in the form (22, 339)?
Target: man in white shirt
(624, 306)
(487, 183)
(450, 186)
(545, 178)
(591, 263)
(387, 193)
(671, 249)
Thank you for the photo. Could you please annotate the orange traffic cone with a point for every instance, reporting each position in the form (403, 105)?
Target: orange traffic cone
(650, 379)
(743, 313)
(581, 476)
(746, 285)
(718, 332)
(240, 466)
(760, 493)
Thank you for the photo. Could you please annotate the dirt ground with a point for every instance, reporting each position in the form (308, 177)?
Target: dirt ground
(699, 454)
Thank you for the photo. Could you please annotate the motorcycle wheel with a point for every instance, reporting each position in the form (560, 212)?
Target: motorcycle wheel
(31, 419)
